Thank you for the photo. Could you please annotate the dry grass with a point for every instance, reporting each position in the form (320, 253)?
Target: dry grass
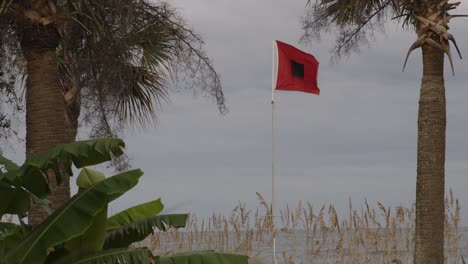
(306, 234)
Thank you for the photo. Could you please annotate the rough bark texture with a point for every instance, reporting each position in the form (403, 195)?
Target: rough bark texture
(430, 209)
(45, 105)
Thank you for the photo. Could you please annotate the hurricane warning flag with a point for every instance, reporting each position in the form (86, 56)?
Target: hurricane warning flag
(297, 70)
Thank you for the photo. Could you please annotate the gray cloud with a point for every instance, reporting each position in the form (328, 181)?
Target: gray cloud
(357, 139)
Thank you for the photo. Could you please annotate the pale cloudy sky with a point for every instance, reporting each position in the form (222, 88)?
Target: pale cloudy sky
(357, 139)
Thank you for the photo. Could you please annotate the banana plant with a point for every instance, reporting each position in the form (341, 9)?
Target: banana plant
(80, 231)
(20, 184)
(60, 159)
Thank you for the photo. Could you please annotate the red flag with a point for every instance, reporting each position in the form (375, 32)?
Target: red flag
(297, 70)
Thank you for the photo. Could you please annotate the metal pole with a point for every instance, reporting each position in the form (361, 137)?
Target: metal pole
(273, 151)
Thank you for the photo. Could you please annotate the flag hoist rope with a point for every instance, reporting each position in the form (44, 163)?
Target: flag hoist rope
(273, 151)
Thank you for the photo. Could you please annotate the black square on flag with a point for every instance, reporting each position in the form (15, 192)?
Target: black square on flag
(297, 69)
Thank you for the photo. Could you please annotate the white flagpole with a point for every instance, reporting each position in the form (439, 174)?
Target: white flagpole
(273, 150)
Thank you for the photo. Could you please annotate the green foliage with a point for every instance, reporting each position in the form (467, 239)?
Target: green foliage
(139, 230)
(203, 257)
(134, 214)
(136, 223)
(123, 255)
(91, 241)
(61, 158)
(13, 200)
(72, 219)
(79, 231)
(10, 235)
(7, 165)
(123, 57)
(124, 54)
(88, 177)
(117, 60)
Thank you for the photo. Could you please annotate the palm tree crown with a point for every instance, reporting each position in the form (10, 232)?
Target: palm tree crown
(356, 20)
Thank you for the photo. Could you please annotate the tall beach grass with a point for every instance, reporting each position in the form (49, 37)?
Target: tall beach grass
(309, 234)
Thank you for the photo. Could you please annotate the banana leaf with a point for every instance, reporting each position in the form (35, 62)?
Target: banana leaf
(13, 200)
(10, 235)
(88, 178)
(72, 219)
(124, 255)
(9, 168)
(135, 214)
(93, 239)
(139, 230)
(6, 228)
(79, 153)
(203, 257)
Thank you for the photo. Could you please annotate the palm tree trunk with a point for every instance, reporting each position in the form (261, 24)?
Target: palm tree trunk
(45, 105)
(430, 188)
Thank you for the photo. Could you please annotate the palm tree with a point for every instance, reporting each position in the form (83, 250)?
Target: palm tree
(38, 38)
(112, 61)
(355, 20)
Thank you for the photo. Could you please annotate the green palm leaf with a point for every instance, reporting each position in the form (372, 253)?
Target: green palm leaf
(72, 219)
(123, 58)
(134, 214)
(125, 255)
(203, 257)
(137, 231)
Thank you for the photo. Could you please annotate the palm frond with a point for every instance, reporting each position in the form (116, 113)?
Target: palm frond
(354, 20)
(122, 59)
(127, 53)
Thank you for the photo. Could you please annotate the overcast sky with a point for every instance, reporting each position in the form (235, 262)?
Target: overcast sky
(357, 139)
